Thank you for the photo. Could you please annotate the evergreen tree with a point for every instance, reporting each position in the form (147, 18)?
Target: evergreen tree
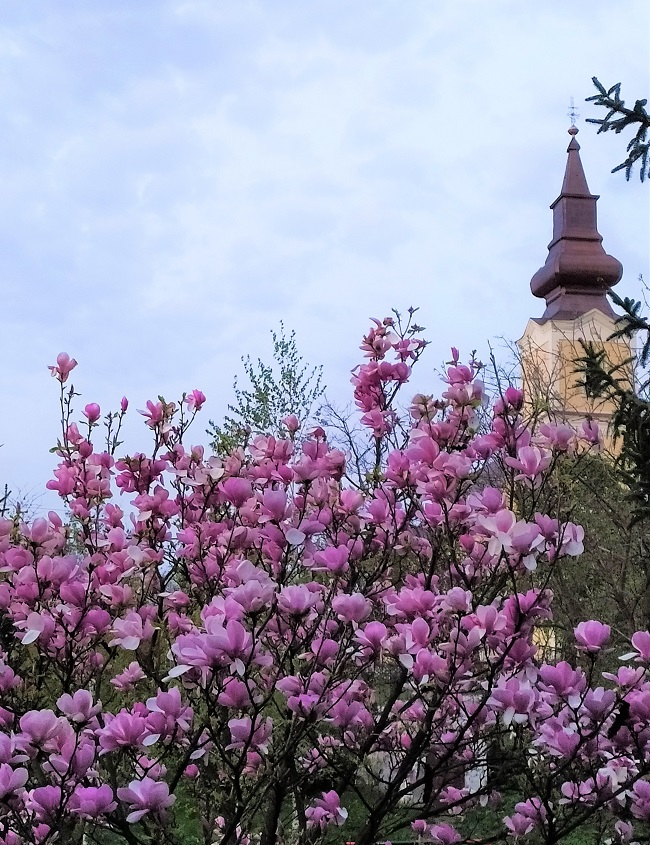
(617, 119)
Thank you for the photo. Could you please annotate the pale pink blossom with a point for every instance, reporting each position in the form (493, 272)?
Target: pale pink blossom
(195, 400)
(145, 796)
(64, 366)
(591, 636)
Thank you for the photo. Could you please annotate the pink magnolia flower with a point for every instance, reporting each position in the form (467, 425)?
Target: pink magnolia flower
(440, 834)
(36, 626)
(641, 800)
(527, 816)
(559, 436)
(145, 796)
(624, 830)
(572, 540)
(371, 638)
(195, 400)
(220, 645)
(530, 461)
(334, 559)
(92, 412)
(41, 728)
(253, 595)
(291, 423)
(515, 699)
(350, 715)
(244, 734)
(297, 600)
(591, 636)
(170, 705)
(64, 366)
(590, 432)
(443, 834)
(153, 769)
(124, 730)
(78, 707)
(11, 780)
(127, 679)
(326, 811)
(641, 643)
(352, 608)
(131, 630)
(381, 422)
(155, 413)
(89, 802)
(235, 694)
(564, 681)
(45, 803)
(514, 398)
(236, 490)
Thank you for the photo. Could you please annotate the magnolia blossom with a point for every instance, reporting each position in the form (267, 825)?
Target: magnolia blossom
(79, 707)
(326, 811)
(92, 412)
(130, 631)
(286, 615)
(11, 780)
(591, 636)
(64, 366)
(145, 796)
(530, 462)
(195, 400)
(89, 802)
(527, 816)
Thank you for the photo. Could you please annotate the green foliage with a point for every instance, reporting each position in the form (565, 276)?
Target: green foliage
(286, 386)
(617, 119)
(608, 581)
(631, 428)
(631, 323)
(631, 418)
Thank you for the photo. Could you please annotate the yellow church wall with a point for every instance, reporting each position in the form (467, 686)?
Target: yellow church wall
(549, 352)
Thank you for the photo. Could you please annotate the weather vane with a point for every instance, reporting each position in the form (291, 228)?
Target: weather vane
(573, 114)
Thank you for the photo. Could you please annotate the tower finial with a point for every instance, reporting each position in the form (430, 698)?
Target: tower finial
(578, 272)
(573, 114)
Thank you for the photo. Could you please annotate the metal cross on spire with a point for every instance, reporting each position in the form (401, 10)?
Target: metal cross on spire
(573, 113)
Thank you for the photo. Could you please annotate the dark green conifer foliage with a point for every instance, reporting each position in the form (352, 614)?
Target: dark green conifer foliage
(618, 118)
(631, 418)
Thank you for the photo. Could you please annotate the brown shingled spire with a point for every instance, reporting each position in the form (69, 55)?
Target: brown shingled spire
(578, 272)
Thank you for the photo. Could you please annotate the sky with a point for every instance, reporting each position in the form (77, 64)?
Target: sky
(178, 176)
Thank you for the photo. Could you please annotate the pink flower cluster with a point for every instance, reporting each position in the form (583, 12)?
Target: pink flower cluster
(247, 626)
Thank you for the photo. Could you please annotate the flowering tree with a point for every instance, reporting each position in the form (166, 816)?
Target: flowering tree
(257, 643)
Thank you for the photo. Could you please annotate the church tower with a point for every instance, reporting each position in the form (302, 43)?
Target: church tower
(574, 282)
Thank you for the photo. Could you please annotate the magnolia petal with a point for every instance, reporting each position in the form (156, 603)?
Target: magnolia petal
(30, 637)
(295, 537)
(177, 671)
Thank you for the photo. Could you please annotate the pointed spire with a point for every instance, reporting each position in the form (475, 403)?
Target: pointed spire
(578, 272)
(575, 181)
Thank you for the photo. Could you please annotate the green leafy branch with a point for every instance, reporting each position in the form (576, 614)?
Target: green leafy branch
(631, 418)
(274, 391)
(618, 118)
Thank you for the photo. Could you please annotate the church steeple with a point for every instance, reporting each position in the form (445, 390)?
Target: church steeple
(578, 272)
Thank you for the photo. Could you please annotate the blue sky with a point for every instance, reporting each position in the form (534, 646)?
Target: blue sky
(179, 176)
